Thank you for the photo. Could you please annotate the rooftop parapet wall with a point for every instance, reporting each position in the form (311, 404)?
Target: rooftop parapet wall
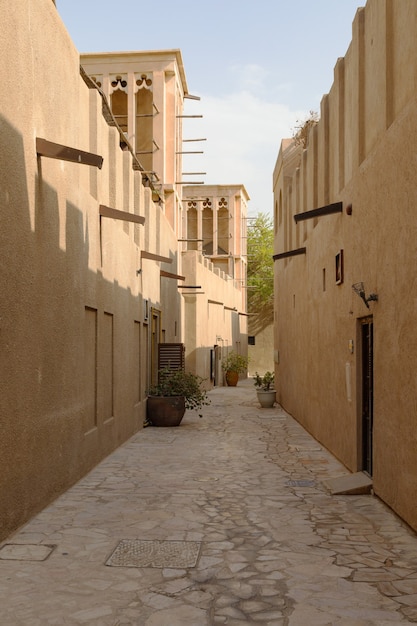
(214, 282)
(373, 82)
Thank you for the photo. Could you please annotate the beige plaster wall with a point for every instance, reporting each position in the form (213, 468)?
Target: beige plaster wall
(213, 315)
(75, 344)
(215, 318)
(362, 154)
(261, 355)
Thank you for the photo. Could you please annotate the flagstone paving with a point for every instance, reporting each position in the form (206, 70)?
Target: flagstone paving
(224, 520)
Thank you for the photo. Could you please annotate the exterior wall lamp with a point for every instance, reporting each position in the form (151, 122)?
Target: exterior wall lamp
(359, 289)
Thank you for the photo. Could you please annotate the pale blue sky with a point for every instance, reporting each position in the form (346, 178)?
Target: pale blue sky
(258, 66)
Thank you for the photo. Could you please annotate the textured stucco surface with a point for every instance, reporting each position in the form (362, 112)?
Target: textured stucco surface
(75, 341)
(362, 154)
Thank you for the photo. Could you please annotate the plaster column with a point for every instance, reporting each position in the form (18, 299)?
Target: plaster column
(131, 108)
(215, 225)
(200, 224)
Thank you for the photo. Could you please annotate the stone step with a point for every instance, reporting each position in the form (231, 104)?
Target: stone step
(350, 484)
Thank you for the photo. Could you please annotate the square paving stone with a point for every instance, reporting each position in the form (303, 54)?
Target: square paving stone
(141, 553)
(25, 552)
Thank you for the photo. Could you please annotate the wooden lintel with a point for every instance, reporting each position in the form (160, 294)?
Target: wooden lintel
(336, 207)
(154, 257)
(52, 150)
(285, 255)
(106, 211)
(169, 275)
(190, 286)
(229, 308)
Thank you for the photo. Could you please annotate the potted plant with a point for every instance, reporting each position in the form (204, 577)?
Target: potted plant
(175, 391)
(265, 389)
(234, 364)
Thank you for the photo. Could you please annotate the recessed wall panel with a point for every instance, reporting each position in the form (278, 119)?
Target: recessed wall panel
(107, 369)
(90, 369)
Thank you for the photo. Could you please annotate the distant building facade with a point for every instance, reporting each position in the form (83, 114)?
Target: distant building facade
(345, 244)
(146, 92)
(215, 258)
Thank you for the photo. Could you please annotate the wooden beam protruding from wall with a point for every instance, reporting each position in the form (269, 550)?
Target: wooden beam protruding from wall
(106, 211)
(215, 302)
(336, 207)
(154, 257)
(169, 275)
(53, 150)
(290, 253)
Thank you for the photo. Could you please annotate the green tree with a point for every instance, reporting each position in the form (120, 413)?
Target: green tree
(260, 272)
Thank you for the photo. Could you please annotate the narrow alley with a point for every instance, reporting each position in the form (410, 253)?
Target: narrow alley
(224, 520)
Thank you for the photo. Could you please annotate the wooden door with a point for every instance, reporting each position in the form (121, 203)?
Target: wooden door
(367, 355)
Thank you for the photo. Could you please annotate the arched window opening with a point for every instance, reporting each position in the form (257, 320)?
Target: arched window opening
(119, 108)
(192, 225)
(144, 122)
(207, 227)
(223, 222)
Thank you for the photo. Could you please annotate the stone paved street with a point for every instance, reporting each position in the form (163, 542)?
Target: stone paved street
(224, 520)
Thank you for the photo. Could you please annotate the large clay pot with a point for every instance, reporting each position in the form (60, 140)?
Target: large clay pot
(232, 378)
(165, 411)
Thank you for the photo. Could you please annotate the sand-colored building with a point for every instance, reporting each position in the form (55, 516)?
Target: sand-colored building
(146, 93)
(91, 259)
(216, 259)
(345, 246)
(260, 348)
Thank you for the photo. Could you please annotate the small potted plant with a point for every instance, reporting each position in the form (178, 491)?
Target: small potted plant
(265, 389)
(175, 391)
(234, 364)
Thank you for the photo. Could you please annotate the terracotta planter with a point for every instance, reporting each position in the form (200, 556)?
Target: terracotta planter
(165, 411)
(232, 378)
(266, 399)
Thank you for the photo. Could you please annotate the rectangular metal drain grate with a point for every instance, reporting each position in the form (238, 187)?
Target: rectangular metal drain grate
(139, 553)
(300, 483)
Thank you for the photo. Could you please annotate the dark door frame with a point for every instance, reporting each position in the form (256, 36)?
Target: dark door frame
(366, 390)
